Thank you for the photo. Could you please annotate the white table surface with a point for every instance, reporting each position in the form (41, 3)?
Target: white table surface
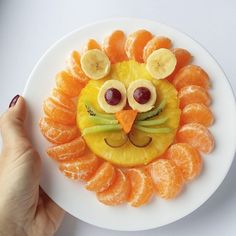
(28, 28)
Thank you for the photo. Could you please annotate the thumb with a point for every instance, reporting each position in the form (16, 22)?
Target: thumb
(12, 123)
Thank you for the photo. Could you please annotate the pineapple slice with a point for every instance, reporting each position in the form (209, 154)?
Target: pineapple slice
(129, 155)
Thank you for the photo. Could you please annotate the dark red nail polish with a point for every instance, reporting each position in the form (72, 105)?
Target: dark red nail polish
(14, 101)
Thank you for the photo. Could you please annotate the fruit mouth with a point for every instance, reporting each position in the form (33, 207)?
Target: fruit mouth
(146, 140)
(139, 143)
(114, 143)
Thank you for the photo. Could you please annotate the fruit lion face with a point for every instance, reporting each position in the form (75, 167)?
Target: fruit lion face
(124, 136)
(118, 106)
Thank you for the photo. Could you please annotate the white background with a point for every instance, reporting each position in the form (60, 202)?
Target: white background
(29, 27)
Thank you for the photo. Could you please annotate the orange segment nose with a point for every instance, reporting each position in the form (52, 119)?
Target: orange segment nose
(126, 118)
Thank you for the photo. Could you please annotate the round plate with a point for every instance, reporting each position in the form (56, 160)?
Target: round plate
(83, 204)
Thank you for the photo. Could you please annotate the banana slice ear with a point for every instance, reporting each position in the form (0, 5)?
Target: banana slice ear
(95, 64)
(161, 63)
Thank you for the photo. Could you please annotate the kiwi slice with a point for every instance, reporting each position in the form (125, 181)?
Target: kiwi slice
(101, 128)
(154, 112)
(164, 130)
(152, 122)
(102, 121)
(93, 112)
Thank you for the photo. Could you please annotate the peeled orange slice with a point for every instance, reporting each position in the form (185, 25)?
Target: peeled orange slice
(74, 67)
(82, 168)
(186, 158)
(57, 133)
(135, 44)
(68, 84)
(191, 75)
(58, 113)
(63, 100)
(167, 178)
(92, 44)
(197, 113)
(118, 192)
(193, 94)
(196, 135)
(183, 58)
(114, 46)
(102, 179)
(141, 187)
(66, 151)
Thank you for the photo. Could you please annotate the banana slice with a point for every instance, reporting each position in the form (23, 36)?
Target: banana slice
(95, 64)
(161, 63)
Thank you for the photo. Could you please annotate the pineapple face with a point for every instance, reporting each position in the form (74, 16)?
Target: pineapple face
(129, 154)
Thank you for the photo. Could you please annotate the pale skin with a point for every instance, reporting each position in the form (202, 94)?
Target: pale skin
(24, 208)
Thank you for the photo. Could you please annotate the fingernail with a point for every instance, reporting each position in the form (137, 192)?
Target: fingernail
(14, 101)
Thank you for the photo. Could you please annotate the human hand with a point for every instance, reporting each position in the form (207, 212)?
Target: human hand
(24, 208)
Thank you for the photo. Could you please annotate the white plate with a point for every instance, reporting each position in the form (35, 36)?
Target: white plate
(83, 204)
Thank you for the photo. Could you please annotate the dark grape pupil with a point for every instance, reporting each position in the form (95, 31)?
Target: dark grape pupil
(113, 96)
(142, 95)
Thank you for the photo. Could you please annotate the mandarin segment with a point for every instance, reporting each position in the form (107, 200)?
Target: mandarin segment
(196, 135)
(135, 44)
(58, 113)
(197, 113)
(91, 44)
(72, 149)
(191, 75)
(68, 84)
(183, 58)
(114, 46)
(193, 94)
(154, 44)
(69, 174)
(57, 133)
(118, 192)
(103, 178)
(186, 158)
(63, 100)
(167, 178)
(141, 187)
(82, 168)
(74, 67)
